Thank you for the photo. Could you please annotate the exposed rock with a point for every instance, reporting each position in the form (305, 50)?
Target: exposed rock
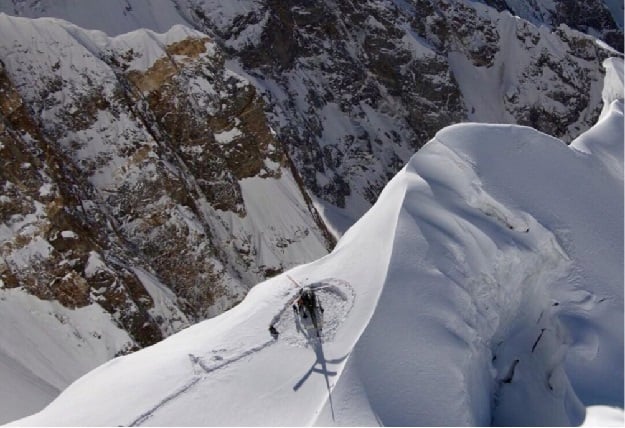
(148, 151)
(353, 88)
(118, 162)
(47, 234)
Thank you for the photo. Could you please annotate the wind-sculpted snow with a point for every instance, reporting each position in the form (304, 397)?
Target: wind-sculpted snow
(487, 289)
(505, 298)
(505, 281)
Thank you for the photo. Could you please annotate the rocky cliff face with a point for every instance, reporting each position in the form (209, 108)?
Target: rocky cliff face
(51, 233)
(354, 88)
(596, 17)
(158, 176)
(139, 156)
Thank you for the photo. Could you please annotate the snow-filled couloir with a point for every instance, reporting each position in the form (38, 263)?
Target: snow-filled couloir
(484, 287)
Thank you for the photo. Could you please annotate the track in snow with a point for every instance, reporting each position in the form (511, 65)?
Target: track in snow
(337, 298)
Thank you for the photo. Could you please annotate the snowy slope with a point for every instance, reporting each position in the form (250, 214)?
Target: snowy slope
(113, 16)
(46, 346)
(488, 274)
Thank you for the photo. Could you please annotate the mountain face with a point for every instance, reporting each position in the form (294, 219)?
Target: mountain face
(604, 19)
(352, 89)
(473, 293)
(160, 143)
(134, 171)
(352, 82)
(150, 177)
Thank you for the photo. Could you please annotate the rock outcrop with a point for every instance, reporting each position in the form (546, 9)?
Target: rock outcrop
(354, 88)
(133, 154)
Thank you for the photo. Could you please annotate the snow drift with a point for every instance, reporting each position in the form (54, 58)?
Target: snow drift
(484, 287)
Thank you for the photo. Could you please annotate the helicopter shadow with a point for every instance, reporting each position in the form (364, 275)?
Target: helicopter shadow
(320, 366)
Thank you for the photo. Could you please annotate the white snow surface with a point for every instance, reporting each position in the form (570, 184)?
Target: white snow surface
(112, 16)
(488, 274)
(62, 345)
(604, 416)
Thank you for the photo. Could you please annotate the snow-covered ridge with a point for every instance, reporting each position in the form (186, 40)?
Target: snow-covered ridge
(146, 45)
(151, 45)
(114, 17)
(613, 84)
(596, 141)
(488, 274)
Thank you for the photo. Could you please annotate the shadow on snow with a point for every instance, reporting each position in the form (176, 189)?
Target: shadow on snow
(320, 365)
